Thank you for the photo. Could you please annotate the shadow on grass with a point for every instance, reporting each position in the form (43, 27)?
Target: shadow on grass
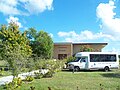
(67, 70)
(111, 75)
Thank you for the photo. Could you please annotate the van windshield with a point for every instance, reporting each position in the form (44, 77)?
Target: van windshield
(77, 59)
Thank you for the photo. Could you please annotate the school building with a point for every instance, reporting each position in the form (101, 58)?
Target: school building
(66, 49)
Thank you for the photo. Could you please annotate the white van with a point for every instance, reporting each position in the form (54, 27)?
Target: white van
(95, 61)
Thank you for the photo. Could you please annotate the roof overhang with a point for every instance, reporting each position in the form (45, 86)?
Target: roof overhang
(102, 45)
(70, 43)
(90, 43)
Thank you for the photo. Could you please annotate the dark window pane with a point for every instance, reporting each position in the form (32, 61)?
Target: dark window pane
(102, 58)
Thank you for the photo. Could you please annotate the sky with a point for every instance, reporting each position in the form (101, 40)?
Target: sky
(82, 21)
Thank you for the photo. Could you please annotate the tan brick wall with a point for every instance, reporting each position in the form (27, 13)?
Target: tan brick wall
(62, 49)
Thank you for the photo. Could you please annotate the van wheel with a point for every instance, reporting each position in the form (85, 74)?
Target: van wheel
(106, 69)
(76, 69)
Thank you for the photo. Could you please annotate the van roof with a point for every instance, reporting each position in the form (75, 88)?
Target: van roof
(87, 53)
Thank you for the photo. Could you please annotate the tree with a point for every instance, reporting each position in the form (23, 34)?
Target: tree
(41, 43)
(14, 46)
(31, 34)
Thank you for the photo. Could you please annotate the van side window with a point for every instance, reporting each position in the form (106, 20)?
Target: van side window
(103, 58)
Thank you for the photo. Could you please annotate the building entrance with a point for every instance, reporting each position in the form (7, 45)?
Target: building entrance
(62, 56)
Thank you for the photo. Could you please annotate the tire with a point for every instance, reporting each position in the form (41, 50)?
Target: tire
(106, 69)
(76, 69)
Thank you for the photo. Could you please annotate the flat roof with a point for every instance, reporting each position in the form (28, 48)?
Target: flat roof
(90, 43)
(68, 43)
(63, 43)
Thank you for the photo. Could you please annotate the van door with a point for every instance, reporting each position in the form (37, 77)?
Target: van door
(83, 63)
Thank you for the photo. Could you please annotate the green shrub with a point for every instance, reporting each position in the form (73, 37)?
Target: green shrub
(29, 79)
(19, 81)
(52, 66)
(15, 84)
(39, 63)
(38, 75)
(69, 59)
(49, 74)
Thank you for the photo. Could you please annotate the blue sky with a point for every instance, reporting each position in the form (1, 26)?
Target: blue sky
(94, 21)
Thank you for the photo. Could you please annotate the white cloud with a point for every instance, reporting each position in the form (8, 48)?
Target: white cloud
(38, 6)
(15, 7)
(72, 36)
(110, 26)
(64, 34)
(14, 19)
(51, 35)
(109, 23)
(9, 7)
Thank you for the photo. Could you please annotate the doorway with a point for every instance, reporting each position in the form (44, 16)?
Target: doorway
(62, 56)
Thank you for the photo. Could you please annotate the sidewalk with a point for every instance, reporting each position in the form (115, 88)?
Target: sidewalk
(8, 79)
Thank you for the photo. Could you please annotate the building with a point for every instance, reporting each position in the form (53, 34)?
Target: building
(64, 50)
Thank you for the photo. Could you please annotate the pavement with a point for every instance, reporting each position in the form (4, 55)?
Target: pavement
(7, 79)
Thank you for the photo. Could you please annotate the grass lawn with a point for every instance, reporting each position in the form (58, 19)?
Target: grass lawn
(89, 80)
(83, 80)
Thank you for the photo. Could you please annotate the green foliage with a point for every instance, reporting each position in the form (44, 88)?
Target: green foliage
(39, 63)
(31, 33)
(52, 66)
(85, 48)
(49, 74)
(30, 64)
(69, 59)
(41, 43)
(29, 79)
(38, 75)
(45, 45)
(15, 84)
(3, 63)
(11, 38)
(14, 47)
(19, 81)
(1, 71)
